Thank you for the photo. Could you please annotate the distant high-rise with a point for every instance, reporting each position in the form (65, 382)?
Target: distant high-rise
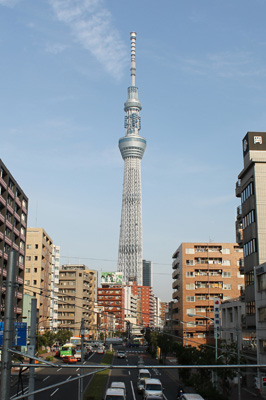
(132, 147)
(147, 273)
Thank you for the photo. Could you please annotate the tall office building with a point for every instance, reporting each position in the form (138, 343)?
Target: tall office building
(132, 147)
(147, 273)
(13, 225)
(203, 272)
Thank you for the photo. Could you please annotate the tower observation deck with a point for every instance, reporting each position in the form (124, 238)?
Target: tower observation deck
(132, 147)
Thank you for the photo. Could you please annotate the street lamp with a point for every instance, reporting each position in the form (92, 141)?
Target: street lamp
(215, 337)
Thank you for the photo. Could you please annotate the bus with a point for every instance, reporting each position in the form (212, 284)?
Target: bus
(67, 350)
(76, 340)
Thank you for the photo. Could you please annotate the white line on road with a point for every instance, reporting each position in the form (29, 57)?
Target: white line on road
(46, 378)
(77, 369)
(54, 392)
(129, 373)
(69, 377)
(59, 369)
(20, 392)
(134, 397)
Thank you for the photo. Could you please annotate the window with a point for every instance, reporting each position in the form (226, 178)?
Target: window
(35, 258)
(27, 282)
(262, 282)
(190, 286)
(189, 251)
(227, 286)
(250, 308)
(36, 246)
(190, 262)
(35, 270)
(190, 298)
(27, 270)
(189, 274)
(226, 262)
(225, 251)
(34, 282)
(28, 258)
(226, 274)
(191, 311)
(201, 335)
(262, 314)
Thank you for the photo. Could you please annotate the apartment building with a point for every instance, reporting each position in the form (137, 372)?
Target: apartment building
(146, 313)
(13, 225)
(112, 298)
(54, 283)
(38, 267)
(76, 298)
(251, 234)
(203, 272)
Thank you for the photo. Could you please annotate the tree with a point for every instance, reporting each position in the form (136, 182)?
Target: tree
(165, 342)
(63, 336)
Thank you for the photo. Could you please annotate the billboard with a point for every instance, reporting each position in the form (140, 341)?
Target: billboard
(111, 278)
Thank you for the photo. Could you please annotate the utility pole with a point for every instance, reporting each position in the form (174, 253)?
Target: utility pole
(32, 346)
(8, 325)
(82, 333)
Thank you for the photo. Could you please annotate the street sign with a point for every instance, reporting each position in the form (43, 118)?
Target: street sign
(20, 333)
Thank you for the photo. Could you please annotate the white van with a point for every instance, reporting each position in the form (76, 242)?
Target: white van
(115, 394)
(191, 396)
(144, 373)
(152, 387)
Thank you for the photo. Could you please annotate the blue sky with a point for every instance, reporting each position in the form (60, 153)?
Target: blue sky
(65, 69)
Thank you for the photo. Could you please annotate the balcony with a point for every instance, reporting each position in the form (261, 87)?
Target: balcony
(175, 295)
(175, 274)
(175, 284)
(238, 188)
(175, 263)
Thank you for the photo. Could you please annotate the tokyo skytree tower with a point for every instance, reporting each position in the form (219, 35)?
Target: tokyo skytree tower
(132, 147)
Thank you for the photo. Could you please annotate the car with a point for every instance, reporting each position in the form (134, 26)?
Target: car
(144, 373)
(191, 396)
(100, 350)
(70, 360)
(140, 385)
(118, 385)
(121, 354)
(115, 394)
(152, 387)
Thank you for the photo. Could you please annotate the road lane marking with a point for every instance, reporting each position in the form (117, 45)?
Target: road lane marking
(129, 373)
(46, 378)
(20, 392)
(134, 397)
(77, 369)
(69, 377)
(54, 392)
(59, 369)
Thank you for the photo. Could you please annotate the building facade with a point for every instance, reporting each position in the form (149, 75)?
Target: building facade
(132, 147)
(147, 273)
(146, 309)
(203, 272)
(54, 283)
(112, 298)
(76, 298)
(13, 225)
(38, 267)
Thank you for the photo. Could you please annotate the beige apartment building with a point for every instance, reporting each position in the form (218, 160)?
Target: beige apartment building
(77, 298)
(37, 278)
(203, 272)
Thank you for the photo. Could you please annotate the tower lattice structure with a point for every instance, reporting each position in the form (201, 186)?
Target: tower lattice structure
(132, 147)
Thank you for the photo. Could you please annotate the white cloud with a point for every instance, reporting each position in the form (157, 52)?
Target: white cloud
(91, 25)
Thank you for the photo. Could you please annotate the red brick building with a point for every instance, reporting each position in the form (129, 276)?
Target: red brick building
(112, 298)
(146, 309)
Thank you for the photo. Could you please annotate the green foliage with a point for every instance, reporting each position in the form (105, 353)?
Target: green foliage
(165, 342)
(49, 358)
(63, 336)
(98, 382)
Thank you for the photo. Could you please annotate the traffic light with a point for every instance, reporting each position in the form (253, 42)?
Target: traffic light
(263, 379)
(256, 382)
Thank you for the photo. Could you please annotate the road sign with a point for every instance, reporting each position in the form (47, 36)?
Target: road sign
(20, 333)
(217, 322)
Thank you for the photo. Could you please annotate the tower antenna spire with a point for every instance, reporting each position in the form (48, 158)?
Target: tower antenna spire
(133, 36)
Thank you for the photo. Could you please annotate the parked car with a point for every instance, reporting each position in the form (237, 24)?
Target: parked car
(152, 387)
(121, 354)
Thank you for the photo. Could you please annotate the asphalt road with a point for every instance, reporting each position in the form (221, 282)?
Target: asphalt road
(69, 391)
